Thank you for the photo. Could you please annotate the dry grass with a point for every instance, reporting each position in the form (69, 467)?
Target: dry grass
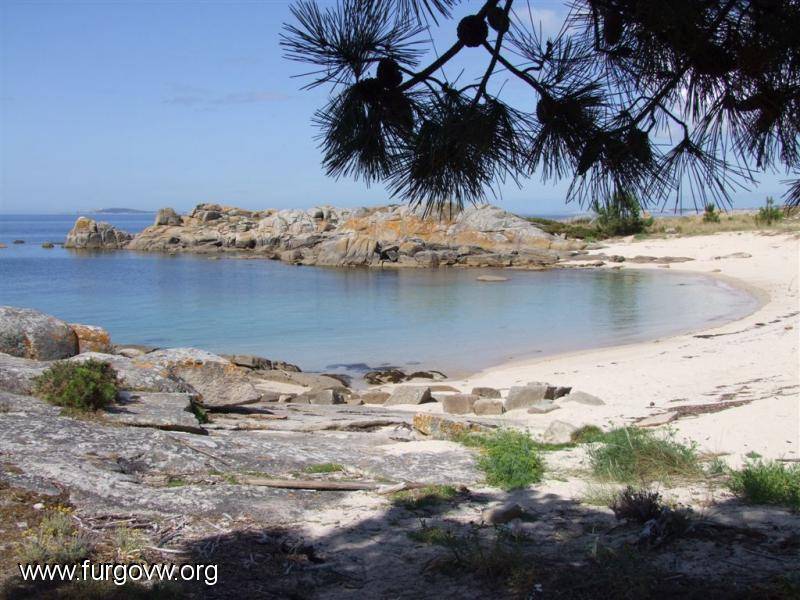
(739, 221)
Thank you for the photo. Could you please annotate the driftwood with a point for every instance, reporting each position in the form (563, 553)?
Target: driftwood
(334, 486)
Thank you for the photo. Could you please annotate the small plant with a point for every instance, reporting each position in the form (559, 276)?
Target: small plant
(621, 215)
(128, 544)
(636, 455)
(55, 541)
(711, 214)
(88, 385)
(769, 213)
(761, 482)
(637, 505)
(200, 413)
(425, 497)
(510, 459)
(328, 467)
(497, 557)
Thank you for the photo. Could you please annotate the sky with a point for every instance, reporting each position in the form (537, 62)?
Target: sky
(145, 104)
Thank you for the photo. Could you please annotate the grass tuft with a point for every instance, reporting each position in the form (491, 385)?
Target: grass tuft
(636, 455)
(637, 505)
(425, 497)
(510, 459)
(769, 482)
(587, 434)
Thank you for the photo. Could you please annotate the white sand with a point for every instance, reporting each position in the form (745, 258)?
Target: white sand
(758, 363)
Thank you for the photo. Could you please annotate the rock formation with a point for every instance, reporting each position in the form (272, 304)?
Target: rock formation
(87, 234)
(388, 236)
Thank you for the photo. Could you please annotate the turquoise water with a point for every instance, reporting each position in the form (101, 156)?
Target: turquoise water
(318, 317)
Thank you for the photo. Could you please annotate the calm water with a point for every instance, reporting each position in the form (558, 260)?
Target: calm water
(318, 317)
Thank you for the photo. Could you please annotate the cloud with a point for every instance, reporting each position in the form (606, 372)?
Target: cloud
(201, 98)
(251, 97)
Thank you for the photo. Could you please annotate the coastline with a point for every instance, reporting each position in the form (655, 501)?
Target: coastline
(752, 359)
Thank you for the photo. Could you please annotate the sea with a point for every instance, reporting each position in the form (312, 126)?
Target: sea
(348, 320)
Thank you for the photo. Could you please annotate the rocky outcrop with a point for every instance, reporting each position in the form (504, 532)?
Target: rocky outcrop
(388, 236)
(88, 234)
(28, 333)
(91, 338)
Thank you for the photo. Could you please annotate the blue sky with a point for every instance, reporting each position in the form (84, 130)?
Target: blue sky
(147, 104)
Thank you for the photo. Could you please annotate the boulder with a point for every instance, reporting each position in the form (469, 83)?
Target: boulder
(486, 392)
(28, 333)
(87, 234)
(137, 376)
(219, 386)
(375, 397)
(259, 363)
(218, 381)
(167, 216)
(92, 338)
(17, 374)
(559, 432)
(560, 391)
(582, 398)
(381, 376)
(435, 375)
(528, 395)
(459, 404)
(171, 412)
(488, 406)
(409, 394)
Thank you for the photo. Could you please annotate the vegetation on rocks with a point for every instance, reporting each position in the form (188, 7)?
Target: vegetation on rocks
(770, 482)
(56, 541)
(637, 455)
(510, 459)
(89, 385)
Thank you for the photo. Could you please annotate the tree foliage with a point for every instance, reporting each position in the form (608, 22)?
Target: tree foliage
(663, 100)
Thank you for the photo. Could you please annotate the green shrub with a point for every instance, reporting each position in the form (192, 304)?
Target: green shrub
(85, 385)
(711, 214)
(762, 482)
(769, 213)
(621, 215)
(637, 455)
(510, 459)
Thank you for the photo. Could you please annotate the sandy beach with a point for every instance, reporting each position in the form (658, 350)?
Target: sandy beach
(751, 363)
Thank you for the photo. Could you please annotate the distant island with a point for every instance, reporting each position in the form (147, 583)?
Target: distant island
(121, 211)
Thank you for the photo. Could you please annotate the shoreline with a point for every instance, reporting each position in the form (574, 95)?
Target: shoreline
(761, 296)
(752, 360)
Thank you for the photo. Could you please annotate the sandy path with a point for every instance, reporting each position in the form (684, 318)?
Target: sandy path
(749, 362)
